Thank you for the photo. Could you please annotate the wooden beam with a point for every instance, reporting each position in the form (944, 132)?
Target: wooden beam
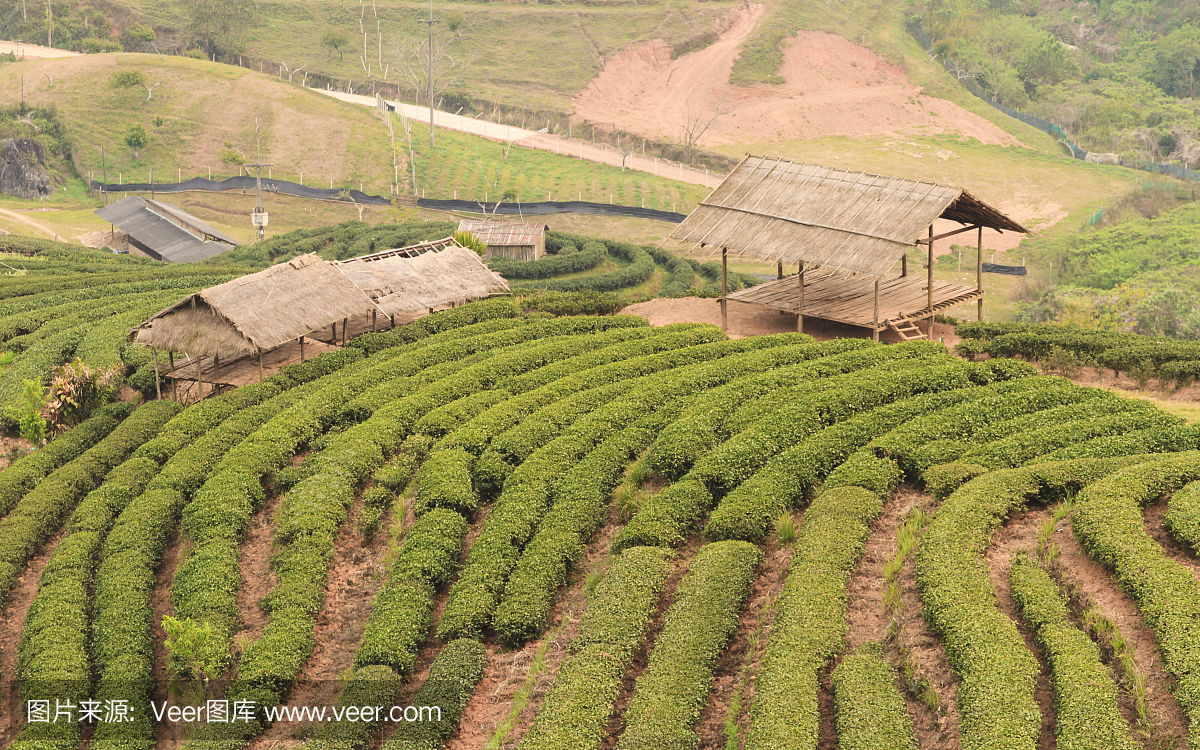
(260, 367)
(929, 285)
(904, 264)
(301, 348)
(373, 313)
(216, 370)
(345, 325)
(174, 382)
(979, 272)
(800, 302)
(875, 317)
(724, 289)
(779, 271)
(947, 234)
(157, 387)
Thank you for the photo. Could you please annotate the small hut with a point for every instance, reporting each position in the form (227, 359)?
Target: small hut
(251, 315)
(845, 232)
(422, 277)
(508, 239)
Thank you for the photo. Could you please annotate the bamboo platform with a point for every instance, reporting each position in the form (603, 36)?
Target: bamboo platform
(851, 299)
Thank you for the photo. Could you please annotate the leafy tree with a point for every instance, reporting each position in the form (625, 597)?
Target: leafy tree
(221, 26)
(194, 647)
(1176, 65)
(128, 79)
(334, 40)
(137, 139)
(1050, 63)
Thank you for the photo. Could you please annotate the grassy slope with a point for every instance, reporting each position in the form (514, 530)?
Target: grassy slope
(528, 54)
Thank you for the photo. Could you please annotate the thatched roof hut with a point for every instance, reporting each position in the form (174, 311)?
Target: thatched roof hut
(422, 276)
(256, 312)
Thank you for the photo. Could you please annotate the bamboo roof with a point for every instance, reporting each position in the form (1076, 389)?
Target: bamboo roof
(422, 276)
(853, 222)
(504, 233)
(256, 312)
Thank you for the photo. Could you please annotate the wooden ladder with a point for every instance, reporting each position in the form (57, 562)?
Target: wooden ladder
(906, 329)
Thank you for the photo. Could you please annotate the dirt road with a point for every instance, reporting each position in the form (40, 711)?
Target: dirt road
(544, 142)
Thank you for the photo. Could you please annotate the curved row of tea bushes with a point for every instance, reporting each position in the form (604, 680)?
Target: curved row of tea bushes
(519, 442)
(1024, 447)
(577, 511)
(903, 445)
(54, 661)
(220, 515)
(810, 619)
(674, 688)
(575, 710)
(23, 474)
(998, 675)
(465, 351)
(733, 462)
(871, 713)
(612, 367)
(704, 424)
(1086, 700)
(640, 266)
(72, 316)
(1155, 440)
(1108, 522)
(496, 308)
(122, 622)
(749, 512)
(312, 513)
(1183, 516)
(528, 490)
(452, 680)
(44, 509)
(1005, 442)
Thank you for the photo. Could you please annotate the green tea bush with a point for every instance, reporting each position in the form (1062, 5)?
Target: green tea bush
(452, 680)
(1183, 516)
(1086, 699)
(871, 712)
(674, 688)
(575, 710)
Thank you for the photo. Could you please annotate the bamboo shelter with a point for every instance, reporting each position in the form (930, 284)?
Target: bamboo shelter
(422, 277)
(249, 316)
(844, 231)
(508, 239)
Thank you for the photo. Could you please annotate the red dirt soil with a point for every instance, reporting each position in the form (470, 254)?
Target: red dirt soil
(833, 87)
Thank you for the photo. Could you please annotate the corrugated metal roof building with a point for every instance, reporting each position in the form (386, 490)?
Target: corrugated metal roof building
(164, 231)
(508, 239)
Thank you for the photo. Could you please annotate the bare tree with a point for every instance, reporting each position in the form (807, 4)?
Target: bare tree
(1147, 143)
(48, 78)
(150, 89)
(450, 62)
(696, 120)
(1187, 147)
(290, 71)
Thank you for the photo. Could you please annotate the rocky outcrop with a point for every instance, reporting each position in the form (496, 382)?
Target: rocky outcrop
(23, 169)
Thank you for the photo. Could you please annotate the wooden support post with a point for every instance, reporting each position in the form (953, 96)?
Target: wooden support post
(260, 367)
(904, 264)
(929, 285)
(875, 317)
(199, 381)
(345, 325)
(333, 335)
(800, 302)
(779, 271)
(174, 382)
(301, 348)
(216, 371)
(979, 272)
(724, 289)
(393, 320)
(157, 387)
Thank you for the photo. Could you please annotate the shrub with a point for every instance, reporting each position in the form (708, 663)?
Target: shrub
(1183, 516)
(871, 712)
(673, 689)
(576, 709)
(128, 79)
(452, 680)
(91, 45)
(1086, 701)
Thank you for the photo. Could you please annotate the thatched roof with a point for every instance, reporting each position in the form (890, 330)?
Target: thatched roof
(504, 233)
(258, 311)
(781, 210)
(441, 272)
